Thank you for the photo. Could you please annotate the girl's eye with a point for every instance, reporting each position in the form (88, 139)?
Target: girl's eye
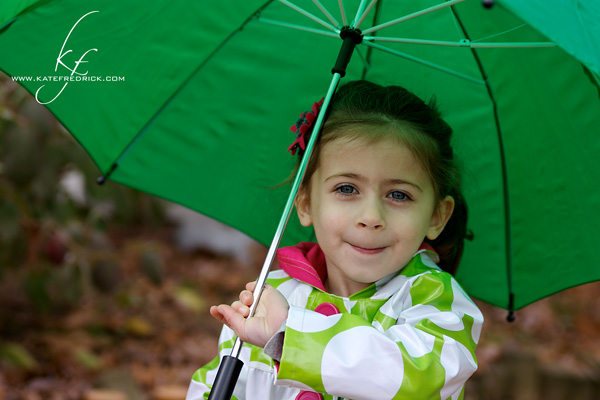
(346, 190)
(399, 196)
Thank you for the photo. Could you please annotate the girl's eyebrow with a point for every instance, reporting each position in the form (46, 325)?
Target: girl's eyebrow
(363, 178)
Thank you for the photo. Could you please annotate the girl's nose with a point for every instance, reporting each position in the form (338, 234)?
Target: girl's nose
(371, 215)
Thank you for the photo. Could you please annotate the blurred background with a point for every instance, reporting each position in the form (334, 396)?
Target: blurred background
(104, 291)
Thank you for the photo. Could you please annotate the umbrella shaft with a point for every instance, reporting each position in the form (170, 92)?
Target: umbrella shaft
(262, 278)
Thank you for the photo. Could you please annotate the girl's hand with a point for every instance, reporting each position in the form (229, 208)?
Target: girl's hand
(270, 314)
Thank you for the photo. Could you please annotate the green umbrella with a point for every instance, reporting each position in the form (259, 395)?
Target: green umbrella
(192, 101)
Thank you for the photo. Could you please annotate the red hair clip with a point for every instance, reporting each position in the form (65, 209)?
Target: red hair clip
(303, 128)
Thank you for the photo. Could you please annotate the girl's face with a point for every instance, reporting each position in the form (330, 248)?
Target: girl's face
(371, 205)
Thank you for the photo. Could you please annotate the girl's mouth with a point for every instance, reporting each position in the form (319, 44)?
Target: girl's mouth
(367, 251)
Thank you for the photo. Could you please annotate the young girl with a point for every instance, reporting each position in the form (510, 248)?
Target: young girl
(371, 311)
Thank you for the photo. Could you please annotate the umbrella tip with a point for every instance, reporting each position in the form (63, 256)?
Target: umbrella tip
(511, 308)
(488, 3)
(511, 317)
(103, 178)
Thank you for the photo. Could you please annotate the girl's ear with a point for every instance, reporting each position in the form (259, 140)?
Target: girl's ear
(440, 217)
(303, 208)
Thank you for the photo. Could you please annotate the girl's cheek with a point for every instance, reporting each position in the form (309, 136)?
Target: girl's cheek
(335, 218)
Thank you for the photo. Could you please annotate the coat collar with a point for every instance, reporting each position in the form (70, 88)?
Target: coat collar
(306, 262)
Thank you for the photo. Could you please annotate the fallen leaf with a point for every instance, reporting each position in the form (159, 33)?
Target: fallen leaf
(87, 359)
(17, 356)
(189, 298)
(138, 326)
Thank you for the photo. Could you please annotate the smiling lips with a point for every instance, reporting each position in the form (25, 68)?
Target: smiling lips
(363, 250)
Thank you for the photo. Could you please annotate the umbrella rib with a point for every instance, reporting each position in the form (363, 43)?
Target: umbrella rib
(327, 13)
(501, 33)
(424, 62)
(359, 12)
(595, 76)
(518, 45)
(507, 218)
(8, 23)
(370, 49)
(364, 14)
(455, 22)
(460, 43)
(343, 12)
(364, 61)
(413, 15)
(307, 14)
(334, 34)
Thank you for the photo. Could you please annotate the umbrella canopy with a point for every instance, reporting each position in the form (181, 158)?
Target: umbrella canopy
(192, 101)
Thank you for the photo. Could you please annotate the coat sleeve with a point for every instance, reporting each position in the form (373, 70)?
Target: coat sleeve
(427, 353)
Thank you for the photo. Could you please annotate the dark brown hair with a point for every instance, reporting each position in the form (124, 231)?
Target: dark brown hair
(421, 128)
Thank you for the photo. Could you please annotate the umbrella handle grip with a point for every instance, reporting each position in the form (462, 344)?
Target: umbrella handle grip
(227, 377)
(351, 37)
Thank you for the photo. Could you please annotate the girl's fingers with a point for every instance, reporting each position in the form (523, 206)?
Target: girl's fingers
(237, 307)
(241, 308)
(214, 311)
(232, 319)
(246, 297)
(234, 315)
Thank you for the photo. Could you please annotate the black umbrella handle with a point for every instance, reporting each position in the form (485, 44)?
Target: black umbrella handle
(227, 377)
